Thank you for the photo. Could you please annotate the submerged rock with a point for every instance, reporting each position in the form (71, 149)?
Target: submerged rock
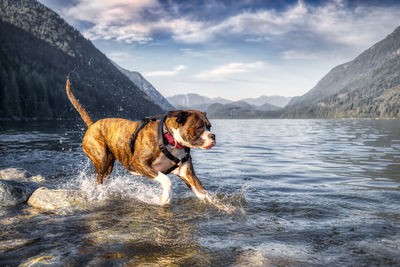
(252, 258)
(13, 193)
(7, 245)
(40, 260)
(50, 199)
(36, 179)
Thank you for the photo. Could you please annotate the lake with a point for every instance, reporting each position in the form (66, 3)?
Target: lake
(313, 192)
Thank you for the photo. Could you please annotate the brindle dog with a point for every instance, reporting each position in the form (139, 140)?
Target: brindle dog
(108, 140)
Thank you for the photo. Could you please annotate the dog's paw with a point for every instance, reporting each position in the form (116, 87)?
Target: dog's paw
(164, 201)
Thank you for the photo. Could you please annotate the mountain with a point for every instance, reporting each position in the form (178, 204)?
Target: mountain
(193, 101)
(267, 107)
(38, 49)
(367, 87)
(146, 87)
(242, 110)
(275, 100)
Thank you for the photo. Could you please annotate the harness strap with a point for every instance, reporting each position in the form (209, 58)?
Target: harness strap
(162, 141)
(140, 126)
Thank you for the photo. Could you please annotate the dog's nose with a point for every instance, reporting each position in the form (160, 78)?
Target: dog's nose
(212, 136)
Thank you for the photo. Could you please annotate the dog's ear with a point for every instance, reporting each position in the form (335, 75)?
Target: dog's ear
(174, 113)
(181, 116)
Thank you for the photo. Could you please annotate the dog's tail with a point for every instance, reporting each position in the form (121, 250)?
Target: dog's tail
(77, 105)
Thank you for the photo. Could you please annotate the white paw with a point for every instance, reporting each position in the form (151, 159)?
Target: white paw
(164, 200)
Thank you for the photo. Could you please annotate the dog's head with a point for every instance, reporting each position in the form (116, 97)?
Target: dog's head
(191, 128)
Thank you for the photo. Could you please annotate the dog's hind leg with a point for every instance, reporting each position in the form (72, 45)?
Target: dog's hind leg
(104, 167)
(111, 160)
(103, 159)
(109, 164)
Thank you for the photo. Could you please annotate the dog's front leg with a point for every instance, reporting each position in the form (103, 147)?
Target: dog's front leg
(187, 174)
(166, 185)
(146, 170)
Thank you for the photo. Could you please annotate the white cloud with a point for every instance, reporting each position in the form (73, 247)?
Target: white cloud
(353, 27)
(115, 11)
(116, 19)
(229, 69)
(161, 73)
(332, 23)
(295, 54)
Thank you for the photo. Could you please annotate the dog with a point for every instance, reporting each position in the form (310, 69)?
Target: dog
(111, 139)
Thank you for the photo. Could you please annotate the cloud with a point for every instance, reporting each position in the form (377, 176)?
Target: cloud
(296, 27)
(333, 23)
(294, 54)
(116, 19)
(162, 73)
(229, 69)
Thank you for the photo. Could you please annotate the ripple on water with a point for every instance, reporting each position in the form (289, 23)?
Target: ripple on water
(314, 192)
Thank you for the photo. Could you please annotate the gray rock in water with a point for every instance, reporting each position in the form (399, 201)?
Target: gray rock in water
(50, 199)
(13, 193)
(20, 175)
(14, 174)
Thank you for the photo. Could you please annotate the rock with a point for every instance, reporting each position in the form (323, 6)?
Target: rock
(8, 221)
(36, 179)
(13, 193)
(14, 174)
(50, 199)
(20, 175)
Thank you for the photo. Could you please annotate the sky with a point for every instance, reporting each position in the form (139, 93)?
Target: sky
(231, 49)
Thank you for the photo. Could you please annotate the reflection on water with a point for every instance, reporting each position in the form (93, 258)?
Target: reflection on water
(315, 192)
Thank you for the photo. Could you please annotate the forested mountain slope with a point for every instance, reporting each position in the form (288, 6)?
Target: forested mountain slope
(38, 49)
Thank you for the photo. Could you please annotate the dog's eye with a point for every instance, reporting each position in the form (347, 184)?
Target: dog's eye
(200, 127)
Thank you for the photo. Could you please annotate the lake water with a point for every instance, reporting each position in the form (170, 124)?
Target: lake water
(313, 192)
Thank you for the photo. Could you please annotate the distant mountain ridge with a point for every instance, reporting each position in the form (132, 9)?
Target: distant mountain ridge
(203, 102)
(367, 87)
(241, 110)
(38, 49)
(146, 87)
(194, 101)
(276, 100)
(221, 108)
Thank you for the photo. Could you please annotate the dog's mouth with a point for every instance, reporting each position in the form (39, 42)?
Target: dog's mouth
(208, 147)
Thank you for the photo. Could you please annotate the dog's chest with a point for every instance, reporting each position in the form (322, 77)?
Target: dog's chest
(162, 163)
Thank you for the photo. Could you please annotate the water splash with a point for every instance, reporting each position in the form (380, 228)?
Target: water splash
(231, 203)
(127, 187)
(120, 186)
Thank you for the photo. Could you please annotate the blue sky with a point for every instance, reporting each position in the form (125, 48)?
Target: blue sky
(231, 49)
